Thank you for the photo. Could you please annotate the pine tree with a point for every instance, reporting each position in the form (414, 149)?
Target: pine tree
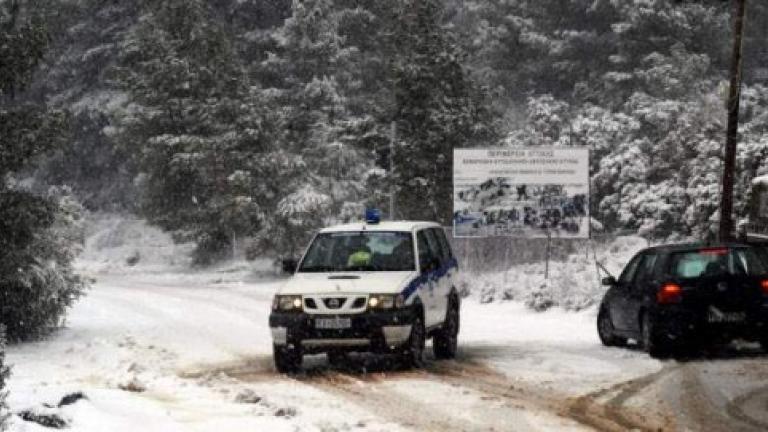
(312, 73)
(86, 38)
(437, 108)
(199, 129)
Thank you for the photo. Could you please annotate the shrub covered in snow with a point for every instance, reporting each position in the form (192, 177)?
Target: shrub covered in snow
(41, 236)
(38, 233)
(4, 372)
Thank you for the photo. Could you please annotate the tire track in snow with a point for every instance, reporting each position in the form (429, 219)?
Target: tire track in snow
(708, 415)
(494, 402)
(743, 408)
(385, 403)
(365, 386)
(613, 415)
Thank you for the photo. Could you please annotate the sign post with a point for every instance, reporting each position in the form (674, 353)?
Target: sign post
(546, 265)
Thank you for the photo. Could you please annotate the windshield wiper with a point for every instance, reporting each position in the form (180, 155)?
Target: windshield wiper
(317, 269)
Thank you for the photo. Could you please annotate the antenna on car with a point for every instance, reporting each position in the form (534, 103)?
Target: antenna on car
(602, 267)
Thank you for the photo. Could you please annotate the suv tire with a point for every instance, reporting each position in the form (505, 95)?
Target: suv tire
(287, 360)
(446, 340)
(413, 351)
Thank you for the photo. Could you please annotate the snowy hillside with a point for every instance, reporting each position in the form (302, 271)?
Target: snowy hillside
(118, 244)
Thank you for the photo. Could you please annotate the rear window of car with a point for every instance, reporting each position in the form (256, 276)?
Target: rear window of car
(717, 262)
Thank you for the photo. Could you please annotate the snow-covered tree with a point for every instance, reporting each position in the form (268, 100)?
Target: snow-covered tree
(298, 215)
(38, 238)
(198, 128)
(206, 116)
(437, 108)
(312, 73)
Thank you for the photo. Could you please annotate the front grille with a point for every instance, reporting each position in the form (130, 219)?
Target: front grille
(359, 302)
(334, 302)
(310, 303)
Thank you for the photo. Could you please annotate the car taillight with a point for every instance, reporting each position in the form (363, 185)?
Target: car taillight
(669, 293)
(764, 286)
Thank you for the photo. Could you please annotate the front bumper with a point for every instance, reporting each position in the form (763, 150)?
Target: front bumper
(379, 331)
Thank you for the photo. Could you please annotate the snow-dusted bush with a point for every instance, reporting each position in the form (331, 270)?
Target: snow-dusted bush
(4, 372)
(41, 236)
(38, 232)
(541, 297)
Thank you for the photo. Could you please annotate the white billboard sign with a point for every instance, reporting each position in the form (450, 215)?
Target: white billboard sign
(521, 192)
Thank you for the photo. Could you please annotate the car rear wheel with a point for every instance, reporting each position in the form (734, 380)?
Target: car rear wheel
(446, 341)
(413, 352)
(287, 360)
(656, 345)
(606, 330)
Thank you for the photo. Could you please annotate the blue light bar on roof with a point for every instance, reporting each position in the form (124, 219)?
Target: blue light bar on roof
(372, 216)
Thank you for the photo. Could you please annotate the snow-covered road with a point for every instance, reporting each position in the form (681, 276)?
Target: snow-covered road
(191, 352)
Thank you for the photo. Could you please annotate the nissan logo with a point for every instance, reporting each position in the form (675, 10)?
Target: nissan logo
(333, 303)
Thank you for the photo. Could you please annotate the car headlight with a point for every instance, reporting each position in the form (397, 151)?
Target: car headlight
(287, 303)
(386, 301)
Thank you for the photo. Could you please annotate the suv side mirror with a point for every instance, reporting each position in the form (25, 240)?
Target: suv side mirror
(609, 281)
(289, 265)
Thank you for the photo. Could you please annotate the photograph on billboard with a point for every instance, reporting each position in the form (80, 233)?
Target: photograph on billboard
(523, 193)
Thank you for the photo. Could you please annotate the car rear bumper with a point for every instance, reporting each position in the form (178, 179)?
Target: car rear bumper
(682, 324)
(381, 331)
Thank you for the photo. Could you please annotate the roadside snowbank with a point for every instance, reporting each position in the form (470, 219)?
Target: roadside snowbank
(573, 284)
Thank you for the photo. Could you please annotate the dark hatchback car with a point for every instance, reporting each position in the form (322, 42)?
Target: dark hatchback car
(680, 296)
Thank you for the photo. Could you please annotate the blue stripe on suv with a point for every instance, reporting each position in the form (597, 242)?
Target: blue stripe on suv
(440, 272)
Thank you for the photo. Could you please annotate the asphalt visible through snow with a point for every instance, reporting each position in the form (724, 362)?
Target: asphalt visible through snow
(207, 335)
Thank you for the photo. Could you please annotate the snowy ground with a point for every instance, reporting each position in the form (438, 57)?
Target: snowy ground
(154, 347)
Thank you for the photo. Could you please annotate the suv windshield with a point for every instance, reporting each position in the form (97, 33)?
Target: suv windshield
(717, 262)
(360, 251)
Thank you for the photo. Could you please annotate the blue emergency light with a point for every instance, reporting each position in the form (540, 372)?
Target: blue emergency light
(372, 216)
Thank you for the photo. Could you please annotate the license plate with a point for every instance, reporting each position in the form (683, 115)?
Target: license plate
(715, 315)
(333, 323)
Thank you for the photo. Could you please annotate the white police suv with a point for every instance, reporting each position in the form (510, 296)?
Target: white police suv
(369, 287)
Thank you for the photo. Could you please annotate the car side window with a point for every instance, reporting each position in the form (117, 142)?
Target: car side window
(628, 275)
(645, 268)
(426, 256)
(437, 248)
(444, 245)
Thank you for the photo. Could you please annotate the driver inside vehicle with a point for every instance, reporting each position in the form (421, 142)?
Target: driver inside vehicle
(360, 255)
